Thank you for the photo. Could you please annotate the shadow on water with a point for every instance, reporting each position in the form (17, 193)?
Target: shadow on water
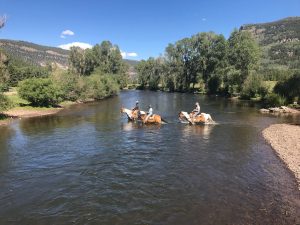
(88, 165)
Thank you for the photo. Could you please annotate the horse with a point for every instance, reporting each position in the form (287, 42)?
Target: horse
(135, 116)
(154, 119)
(203, 118)
(132, 115)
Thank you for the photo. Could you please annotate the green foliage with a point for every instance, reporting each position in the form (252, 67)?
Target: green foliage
(4, 74)
(40, 92)
(289, 88)
(105, 57)
(254, 87)
(193, 58)
(68, 83)
(5, 104)
(274, 100)
(98, 86)
(214, 84)
(150, 72)
(244, 53)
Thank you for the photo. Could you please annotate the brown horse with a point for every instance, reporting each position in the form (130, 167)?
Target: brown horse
(135, 116)
(132, 115)
(154, 119)
(203, 118)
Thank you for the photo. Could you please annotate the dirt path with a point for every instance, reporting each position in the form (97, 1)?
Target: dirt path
(285, 140)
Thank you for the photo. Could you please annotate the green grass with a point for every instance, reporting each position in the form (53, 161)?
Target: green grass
(17, 101)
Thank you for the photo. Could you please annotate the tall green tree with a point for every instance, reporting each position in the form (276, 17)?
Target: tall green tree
(4, 74)
(149, 73)
(243, 54)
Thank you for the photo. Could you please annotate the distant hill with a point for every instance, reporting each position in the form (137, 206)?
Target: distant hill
(41, 55)
(34, 53)
(280, 42)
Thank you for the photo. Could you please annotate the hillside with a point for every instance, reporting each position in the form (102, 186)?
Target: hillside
(34, 53)
(41, 55)
(280, 42)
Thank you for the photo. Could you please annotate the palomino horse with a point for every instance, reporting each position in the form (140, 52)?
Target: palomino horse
(133, 116)
(203, 118)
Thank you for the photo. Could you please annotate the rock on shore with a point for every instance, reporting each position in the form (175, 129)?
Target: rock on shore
(281, 109)
(285, 140)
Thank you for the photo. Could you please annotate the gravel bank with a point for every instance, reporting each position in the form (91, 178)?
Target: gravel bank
(285, 140)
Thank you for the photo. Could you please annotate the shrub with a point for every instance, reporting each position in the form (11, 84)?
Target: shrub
(40, 92)
(5, 104)
(274, 100)
(100, 86)
(69, 84)
(289, 88)
(253, 87)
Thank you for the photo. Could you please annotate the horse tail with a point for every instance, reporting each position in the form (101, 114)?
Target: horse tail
(164, 121)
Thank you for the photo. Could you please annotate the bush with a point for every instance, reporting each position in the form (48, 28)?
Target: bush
(69, 84)
(253, 87)
(289, 88)
(40, 92)
(5, 104)
(100, 86)
(274, 100)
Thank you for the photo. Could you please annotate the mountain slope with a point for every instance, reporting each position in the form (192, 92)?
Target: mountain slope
(280, 42)
(41, 55)
(35, 54)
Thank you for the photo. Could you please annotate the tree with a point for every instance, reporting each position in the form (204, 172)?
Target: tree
(210, 52)
(4, 74)
(105, 57)
(150, 72)
(244, 53)
(5, 104)
(254, 87)
(289, 88)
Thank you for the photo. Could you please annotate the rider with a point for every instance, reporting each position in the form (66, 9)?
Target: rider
(150, 113)
(196, 111)
(136, 106)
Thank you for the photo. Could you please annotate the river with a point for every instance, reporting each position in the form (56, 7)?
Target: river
(88, 165)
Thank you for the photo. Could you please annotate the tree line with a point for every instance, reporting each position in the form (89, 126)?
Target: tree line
(209, 63)
(93, 74)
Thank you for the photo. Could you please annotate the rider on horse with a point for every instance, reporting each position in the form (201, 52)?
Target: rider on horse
(136, 108)
(150, 113)
(196, 111)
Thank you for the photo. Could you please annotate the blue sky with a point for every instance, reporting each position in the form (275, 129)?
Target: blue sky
(137, 26)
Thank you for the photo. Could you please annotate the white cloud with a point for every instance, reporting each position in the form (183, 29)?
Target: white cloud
(76, 44)
(66, 33)
(128, 54)
(203, 19)
(132, 54)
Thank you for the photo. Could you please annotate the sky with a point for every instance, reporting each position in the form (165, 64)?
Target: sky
(140, 28)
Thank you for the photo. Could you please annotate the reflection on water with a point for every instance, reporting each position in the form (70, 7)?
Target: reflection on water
(88, 165)
(199, 130)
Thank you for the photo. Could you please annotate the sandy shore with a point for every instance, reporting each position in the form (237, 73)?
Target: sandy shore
(22, 113)
(285, 140)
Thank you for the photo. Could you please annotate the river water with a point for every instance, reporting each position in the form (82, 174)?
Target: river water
(88, 165)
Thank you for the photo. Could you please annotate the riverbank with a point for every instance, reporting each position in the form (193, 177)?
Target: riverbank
(30, 112)
(285, 140)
